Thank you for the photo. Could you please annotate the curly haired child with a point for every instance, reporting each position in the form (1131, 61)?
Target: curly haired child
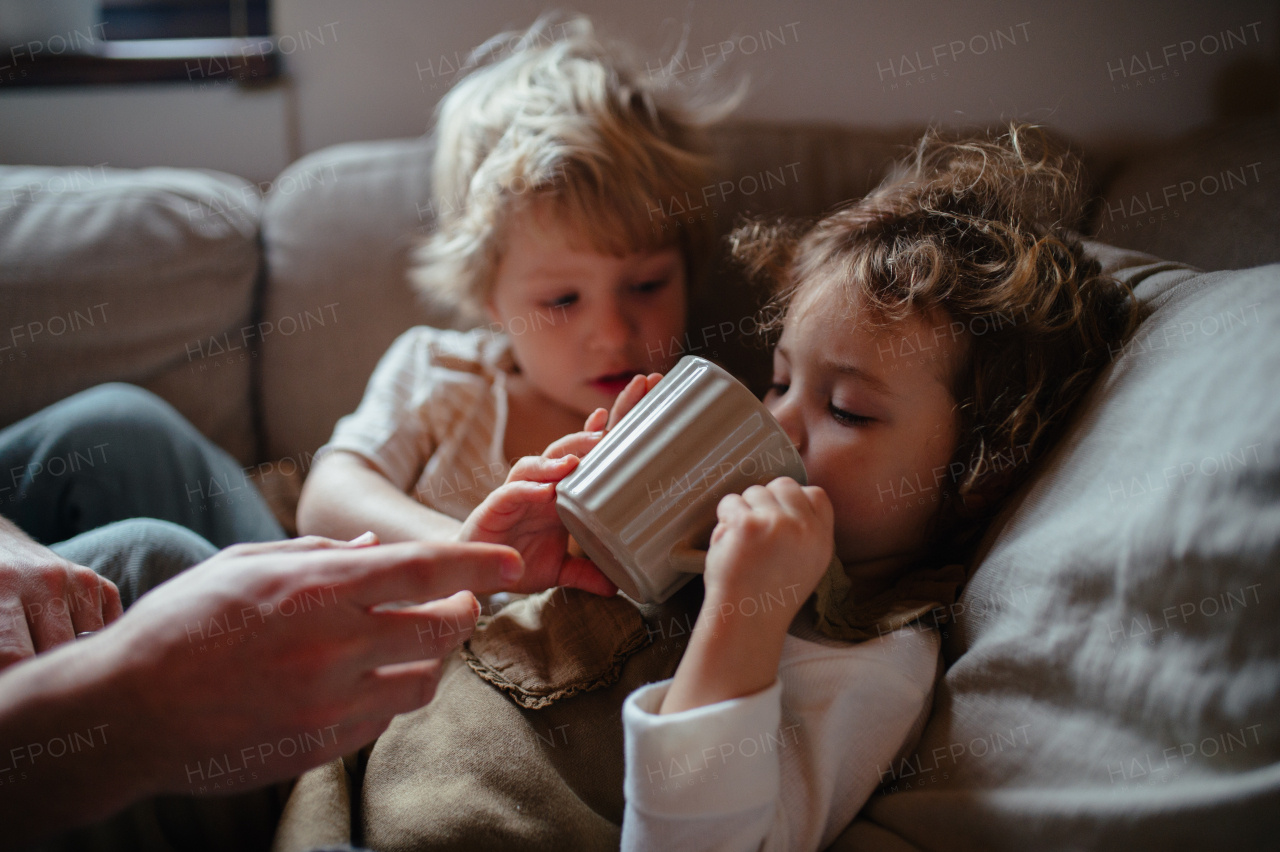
(935, 337)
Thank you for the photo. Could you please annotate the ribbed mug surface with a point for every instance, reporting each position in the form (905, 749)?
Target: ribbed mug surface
(643, 502)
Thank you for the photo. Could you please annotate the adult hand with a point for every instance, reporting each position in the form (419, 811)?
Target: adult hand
(252, 667)
(46, 600)
(266, 643)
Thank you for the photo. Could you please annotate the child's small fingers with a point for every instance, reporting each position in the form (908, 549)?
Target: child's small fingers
(631, 394)
(580, 573)
(821, 503)
(730, 507)
(759, 497)
(597, 421)
(542, 469)
(720, 531)
(577, 444)
(621, 406)
(790, 495)
(651, 381)
(516, 495)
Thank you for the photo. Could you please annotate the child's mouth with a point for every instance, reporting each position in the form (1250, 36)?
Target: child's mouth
(613, 383)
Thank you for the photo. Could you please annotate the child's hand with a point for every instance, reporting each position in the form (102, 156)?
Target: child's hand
(601, 421)
(521, 513)
(773, 539)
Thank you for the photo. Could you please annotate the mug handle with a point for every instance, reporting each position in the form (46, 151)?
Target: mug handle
(689, 560)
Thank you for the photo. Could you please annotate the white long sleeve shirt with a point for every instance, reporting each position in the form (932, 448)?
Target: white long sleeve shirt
(787, 768)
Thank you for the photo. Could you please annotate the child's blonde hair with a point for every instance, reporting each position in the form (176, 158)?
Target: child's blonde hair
(567, 123)
(978, 231)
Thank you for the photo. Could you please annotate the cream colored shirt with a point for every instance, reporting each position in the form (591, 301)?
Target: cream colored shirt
(785, 769)
(433, 417)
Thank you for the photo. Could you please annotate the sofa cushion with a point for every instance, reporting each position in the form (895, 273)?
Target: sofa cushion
(140, 276)
(337, 227)
(1210, 199)
(1114, 677)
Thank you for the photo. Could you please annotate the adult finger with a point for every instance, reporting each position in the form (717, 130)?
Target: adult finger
(417, 570)
(428, 630)
(49, 619)
(15, 636)
(85, 600)
(355, 735)
(396, 689)
(579, 573)
(298, 545)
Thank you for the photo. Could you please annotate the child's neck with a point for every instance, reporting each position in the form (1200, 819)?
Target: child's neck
(534, 420)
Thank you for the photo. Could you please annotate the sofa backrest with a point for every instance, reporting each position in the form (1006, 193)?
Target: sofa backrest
(1210, 198)
(145, 276)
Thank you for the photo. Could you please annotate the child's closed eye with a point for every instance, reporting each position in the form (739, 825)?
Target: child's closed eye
(848, 418)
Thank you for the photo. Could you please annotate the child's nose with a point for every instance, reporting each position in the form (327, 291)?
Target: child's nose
(612, 328)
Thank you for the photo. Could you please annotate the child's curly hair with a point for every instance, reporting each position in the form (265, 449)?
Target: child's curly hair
(977, 231)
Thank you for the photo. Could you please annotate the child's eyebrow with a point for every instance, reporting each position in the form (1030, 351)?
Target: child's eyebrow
(875, 382)
(554, 269)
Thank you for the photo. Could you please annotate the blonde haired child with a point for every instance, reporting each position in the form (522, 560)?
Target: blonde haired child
(550, 158)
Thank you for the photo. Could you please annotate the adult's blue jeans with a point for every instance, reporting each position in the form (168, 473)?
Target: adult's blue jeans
(115, 479)
(73, 475)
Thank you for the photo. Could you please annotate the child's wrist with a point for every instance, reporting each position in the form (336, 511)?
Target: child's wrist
(729, 656)
(744, 616)
(753, 607)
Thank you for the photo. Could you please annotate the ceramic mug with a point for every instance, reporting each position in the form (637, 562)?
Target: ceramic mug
(642, 504)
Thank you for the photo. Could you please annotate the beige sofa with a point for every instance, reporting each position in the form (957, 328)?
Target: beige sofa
(1114, 676)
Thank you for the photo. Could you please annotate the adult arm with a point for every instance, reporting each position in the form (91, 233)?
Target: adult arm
(267, 659)
(46, 600)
